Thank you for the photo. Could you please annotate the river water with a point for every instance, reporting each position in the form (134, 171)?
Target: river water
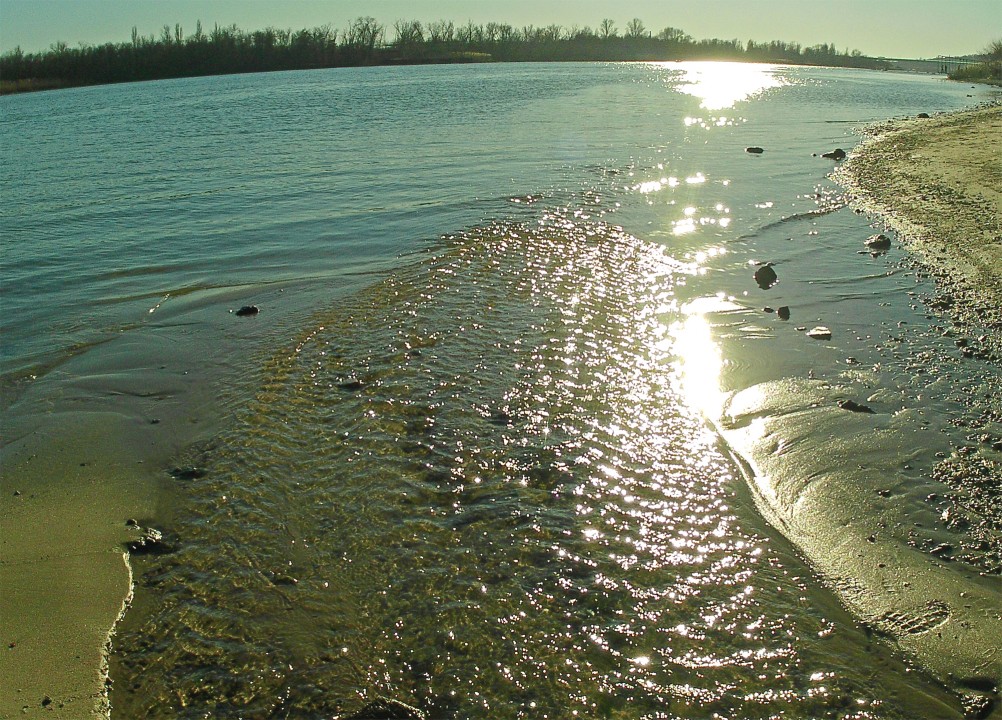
(469, 454)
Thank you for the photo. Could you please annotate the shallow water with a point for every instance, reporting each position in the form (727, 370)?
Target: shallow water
(461, 460)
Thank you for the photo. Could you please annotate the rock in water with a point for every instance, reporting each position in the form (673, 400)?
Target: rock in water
(754, 150)
(248, 310)
(836, 154)
(784, 312)
(765, 276)
(820, 333)
(878, 243)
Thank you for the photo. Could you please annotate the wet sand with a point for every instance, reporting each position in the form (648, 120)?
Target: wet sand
(937, 183)
(84, 451)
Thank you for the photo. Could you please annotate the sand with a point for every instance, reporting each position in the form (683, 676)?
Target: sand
(938, 182)
(80, 457)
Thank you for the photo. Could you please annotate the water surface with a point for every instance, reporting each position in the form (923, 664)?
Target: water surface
(460, 458)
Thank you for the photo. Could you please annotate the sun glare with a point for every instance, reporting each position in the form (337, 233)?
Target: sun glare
(721, 85)
(699, 357)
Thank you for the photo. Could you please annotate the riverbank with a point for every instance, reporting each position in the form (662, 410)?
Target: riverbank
(83, 456)
(937, 182)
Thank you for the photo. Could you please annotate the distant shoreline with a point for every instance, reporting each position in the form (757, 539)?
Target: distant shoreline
(229, 50)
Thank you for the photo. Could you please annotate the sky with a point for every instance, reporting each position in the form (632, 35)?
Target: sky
(886, 28)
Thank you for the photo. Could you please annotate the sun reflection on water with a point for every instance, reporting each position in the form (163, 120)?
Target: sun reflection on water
(700, 361)
(720, 85)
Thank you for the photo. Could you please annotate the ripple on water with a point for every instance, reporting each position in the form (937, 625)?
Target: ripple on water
(474, 488)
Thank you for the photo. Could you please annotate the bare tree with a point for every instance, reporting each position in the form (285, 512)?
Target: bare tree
(607, 29)
(674, 35)
(635, 28)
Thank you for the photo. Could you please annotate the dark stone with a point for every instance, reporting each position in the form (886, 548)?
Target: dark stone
(387, 710)
(754, 150)
(765, 276)
(500, 418)
(351, 385)
(926, 115)
(187, 473)
(150, 543)
(769, 309)
(878, 243)
(248, 310)
(783, 312)
(854, 406)
(46, 701)
(837, 154)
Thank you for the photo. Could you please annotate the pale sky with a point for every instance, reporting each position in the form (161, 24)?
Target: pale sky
(889, 28)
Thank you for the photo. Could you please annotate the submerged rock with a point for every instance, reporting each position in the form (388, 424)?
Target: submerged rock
(754, 150)
(187, 473)
(836, 154)
(820, 333)
(150, 542)
(765, 276)
(248, 310)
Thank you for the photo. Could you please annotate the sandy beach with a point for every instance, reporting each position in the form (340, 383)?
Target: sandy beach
(937, 181)
(84, 452)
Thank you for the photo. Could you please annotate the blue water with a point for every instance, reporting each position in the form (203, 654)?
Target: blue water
(116, 195)
(457, 463)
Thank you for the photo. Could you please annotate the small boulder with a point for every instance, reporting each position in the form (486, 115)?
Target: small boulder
(150, 542)
(878, 243)
(853, 406)
(754, 150)
(837, 154)
(923, 115)
(765, 276)
(248, 310)
(783, 312)
(820, 333)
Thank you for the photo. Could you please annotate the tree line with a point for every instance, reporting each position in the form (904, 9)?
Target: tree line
(364, 41)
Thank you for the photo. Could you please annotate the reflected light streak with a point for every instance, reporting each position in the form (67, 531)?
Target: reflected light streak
(721, 85)
(699, 364)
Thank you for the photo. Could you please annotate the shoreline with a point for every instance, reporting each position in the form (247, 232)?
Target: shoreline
(935, 182)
